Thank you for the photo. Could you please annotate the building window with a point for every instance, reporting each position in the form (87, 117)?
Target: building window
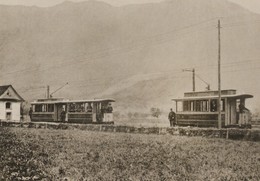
(8, 105)
(8, 116)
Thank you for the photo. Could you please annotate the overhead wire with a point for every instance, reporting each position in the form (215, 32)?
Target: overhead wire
(73, 62)
(161, 41)
(105, 51)
(146, 39)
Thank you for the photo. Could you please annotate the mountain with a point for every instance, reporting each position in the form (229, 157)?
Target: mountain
(133, 53)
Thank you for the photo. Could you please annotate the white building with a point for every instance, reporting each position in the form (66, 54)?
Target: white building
(10, 103)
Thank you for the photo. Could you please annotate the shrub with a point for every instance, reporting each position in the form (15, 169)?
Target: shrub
(156, 112)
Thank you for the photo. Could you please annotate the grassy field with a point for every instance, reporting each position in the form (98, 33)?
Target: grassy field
(39, 154)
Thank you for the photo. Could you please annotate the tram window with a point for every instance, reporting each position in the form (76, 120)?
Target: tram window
(222, 105)
(205, 106)
(88, 107)
(71, 107)
(189, 106)
(38, 108)
(180, 106)
(197, 106)
(50, 108)
(186, 106)
(77, 107)
(80, 107)
(213, 105)
(192, 106)
(44, 108)
(201, 105)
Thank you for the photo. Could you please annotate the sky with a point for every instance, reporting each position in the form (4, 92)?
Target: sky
(253, 5)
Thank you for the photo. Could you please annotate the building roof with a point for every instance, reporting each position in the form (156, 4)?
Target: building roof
(4, 88)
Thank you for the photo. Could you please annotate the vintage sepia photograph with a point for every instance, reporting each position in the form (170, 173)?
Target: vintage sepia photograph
(138, 90)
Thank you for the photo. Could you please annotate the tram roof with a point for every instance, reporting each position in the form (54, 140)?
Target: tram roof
(236, 96)
(73, 101)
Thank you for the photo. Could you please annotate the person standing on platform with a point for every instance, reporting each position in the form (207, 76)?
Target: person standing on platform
(171, 118)
(63, 115)
(30, 113)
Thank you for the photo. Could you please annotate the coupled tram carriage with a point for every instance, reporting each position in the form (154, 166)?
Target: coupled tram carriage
(200, 109)
(73, 111)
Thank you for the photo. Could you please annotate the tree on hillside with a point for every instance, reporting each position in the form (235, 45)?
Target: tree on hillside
(156, 112)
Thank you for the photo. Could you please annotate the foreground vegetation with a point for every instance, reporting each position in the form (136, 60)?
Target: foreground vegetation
(39, 154)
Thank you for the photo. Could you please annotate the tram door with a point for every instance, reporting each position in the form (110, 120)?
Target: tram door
(232, 112)
(94, 112)
(98, 114)
(60, 107)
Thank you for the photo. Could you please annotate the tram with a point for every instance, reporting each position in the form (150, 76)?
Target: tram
(73, 111)
(200, 109)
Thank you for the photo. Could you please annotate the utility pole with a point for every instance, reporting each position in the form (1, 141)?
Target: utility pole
(219, 77)
(193, 77)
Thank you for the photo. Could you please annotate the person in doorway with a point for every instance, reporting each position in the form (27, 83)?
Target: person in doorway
(242, 108)
(63, 115)
(213, 106)
(171, 118)
(103, 110)
(30, 113)
(89, 108)
(109, 108)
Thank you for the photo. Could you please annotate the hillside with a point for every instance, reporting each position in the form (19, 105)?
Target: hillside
(133, 53)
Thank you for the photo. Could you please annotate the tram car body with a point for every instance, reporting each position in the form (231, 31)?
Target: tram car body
(75, 111)
(200, 109)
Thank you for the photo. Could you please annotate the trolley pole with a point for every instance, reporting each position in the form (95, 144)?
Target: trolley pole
(219, 76)
(193, 80)
(48, 92)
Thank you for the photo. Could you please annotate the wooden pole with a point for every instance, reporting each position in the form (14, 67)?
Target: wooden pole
(219, 77)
